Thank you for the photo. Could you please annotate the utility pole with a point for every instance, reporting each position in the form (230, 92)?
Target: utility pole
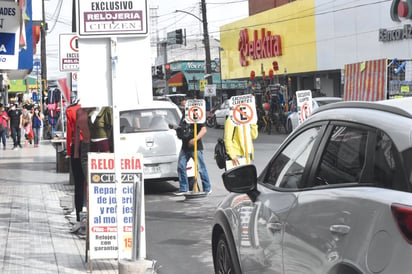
(43, 29)
(207, 45)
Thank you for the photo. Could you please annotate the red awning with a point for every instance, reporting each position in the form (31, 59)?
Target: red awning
(176, 80)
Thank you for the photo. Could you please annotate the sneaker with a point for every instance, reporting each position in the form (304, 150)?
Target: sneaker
(15, 148)
(180, 193)
(208, 192)
(20, 146)
(75, 227)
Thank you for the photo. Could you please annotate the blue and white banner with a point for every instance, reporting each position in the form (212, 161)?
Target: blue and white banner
(9, 34)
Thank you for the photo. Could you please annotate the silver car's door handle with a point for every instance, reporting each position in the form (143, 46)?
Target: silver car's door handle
(274, 227)
(339, 229)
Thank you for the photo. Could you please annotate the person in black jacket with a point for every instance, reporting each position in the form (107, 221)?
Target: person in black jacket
(15, 115)
(187, 152)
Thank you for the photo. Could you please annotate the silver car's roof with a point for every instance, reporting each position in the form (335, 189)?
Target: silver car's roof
(392, 116)
(401, 107)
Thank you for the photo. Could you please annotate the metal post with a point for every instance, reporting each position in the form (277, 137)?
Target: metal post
(43, 28)
(206, 42)
(166, 74)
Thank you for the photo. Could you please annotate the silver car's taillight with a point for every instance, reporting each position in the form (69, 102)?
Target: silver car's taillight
(403, 217)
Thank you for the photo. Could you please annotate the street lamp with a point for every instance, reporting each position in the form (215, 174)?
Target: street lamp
(205, 39)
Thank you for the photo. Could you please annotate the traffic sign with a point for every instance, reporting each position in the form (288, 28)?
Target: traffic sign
(202, 84)
(305, 111)
(242, 110)
(210, 90)
(195, 111)
(304, 102)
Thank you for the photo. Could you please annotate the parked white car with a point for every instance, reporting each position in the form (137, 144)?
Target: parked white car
(145, 129)
(292, 120)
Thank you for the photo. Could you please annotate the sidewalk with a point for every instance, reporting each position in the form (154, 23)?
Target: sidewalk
(35, 233)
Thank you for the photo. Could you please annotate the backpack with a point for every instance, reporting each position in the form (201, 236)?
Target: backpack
(184, 130)
(220, 153)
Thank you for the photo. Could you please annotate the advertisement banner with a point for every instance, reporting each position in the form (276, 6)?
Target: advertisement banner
(69, 52)
(107, 207)
(9, 35)
(112, 18)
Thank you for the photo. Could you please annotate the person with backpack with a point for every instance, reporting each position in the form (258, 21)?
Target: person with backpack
(187, 152)
(235, 142)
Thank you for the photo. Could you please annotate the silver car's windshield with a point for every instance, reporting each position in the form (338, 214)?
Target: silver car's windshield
(144, 120)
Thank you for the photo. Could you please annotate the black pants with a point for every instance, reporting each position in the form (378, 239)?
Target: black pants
(79, 177)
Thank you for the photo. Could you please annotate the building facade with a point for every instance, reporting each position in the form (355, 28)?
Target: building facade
(309, 42)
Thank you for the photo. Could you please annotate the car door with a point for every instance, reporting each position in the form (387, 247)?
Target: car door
(282, 179)
(327, 213)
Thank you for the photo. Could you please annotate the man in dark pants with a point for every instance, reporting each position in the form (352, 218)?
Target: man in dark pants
(15, 115)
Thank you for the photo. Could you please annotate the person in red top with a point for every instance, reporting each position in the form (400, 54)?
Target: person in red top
(4, 122)
(75, 163)
(82, 137)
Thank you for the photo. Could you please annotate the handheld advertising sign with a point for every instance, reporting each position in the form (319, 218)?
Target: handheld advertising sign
(242, 111)
(195, 113)
(304, 102)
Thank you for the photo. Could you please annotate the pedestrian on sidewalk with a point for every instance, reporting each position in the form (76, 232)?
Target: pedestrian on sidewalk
(27, 125)
(36, 124)
(4, 125)
(15, 125)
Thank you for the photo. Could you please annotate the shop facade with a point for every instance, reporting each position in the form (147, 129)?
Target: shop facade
(306, 44)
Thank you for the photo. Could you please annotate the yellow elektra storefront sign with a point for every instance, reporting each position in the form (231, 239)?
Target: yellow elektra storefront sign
(285, 35)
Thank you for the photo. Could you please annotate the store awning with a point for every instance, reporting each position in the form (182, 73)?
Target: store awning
(176, 80)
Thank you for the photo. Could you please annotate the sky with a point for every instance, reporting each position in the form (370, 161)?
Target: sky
(59, 17)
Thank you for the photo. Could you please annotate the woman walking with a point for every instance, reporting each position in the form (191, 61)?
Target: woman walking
(36, 124)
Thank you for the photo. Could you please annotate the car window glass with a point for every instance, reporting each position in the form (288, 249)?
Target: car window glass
(143, 120)
(286, 170)
(343, 158)
(387, 173)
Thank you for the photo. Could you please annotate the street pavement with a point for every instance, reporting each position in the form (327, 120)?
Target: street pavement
(35, 219)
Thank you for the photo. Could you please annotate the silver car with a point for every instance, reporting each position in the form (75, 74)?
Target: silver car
(145, 129)
(292, 120)
(221, 113)
(335, 197)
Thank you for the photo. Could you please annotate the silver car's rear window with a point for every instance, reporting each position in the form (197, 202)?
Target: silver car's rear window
(143, 120)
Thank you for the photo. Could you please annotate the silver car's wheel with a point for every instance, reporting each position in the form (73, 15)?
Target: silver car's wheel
(289, 126)
(224, 264)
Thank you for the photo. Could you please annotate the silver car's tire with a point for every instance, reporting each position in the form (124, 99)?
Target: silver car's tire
(289, 126)
(224, 264)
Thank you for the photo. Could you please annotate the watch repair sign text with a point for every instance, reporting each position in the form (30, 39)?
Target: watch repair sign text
(112, 18)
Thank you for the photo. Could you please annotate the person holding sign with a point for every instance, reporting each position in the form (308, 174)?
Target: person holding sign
(240, 130)
(235, 144)
(187, 152)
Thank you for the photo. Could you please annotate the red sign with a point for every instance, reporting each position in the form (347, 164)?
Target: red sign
(266, 46)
